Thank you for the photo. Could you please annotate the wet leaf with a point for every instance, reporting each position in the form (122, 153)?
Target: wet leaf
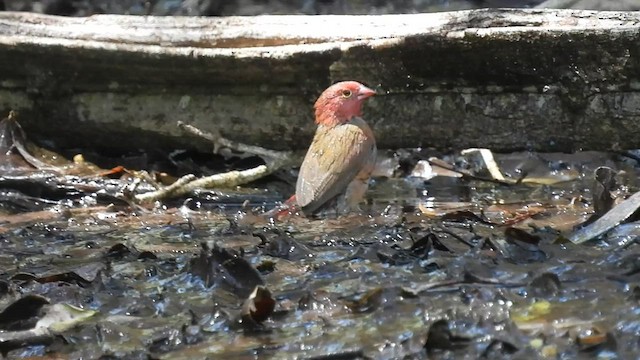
(220, 266)
(31, 320)
(439, 337)
(394, 256)
(604, 184)
(498, 349)
(340, 269)
(635, 293)
(425, 244)
(624, 235)
(463, 215)
(515, 234)
(266, 267)
(62, 317)
(283, 245)
(612, 218)
(367, 302)
(12, 146)
(534, 312)
(23, 313)
(258, 306)
(593, 339)
(545, 285)
(82, 276)
(118, 251)
(516, 251)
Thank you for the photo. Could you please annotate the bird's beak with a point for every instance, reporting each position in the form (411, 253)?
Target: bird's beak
(365, 92)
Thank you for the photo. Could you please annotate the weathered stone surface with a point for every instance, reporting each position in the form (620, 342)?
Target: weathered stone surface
(504, 79)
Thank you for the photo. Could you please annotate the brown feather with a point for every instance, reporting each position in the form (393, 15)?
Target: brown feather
(336, 156)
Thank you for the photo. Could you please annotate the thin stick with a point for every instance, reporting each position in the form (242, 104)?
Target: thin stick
(274, 160)
(465, 174)
(219, 142)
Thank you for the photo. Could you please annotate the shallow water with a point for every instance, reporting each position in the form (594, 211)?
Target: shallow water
(366, 285)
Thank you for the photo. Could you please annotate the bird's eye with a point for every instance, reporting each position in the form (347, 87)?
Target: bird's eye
(346, 93)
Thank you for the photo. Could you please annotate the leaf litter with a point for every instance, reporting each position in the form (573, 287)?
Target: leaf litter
(464, 255)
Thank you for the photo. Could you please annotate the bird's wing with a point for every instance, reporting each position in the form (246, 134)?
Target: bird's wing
(335, 157)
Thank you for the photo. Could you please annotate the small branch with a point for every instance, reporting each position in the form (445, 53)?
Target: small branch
(465, 174)
(189, 183)
(219, 142)
(167, 191)
(275, 160)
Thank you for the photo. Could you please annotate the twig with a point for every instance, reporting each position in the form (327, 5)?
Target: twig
(489, 161)
(167, 191)
(219, 142)
(275, 160)
(465, 174)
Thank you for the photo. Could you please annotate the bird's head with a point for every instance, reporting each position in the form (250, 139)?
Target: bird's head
(340, 102)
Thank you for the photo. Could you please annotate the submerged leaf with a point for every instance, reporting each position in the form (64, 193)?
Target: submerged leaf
(533, 313)
(440, 337)
(22, 313)
(226, 268)
(62, 317)
(30, 320)
(545, 285)
(258, 306)
(367, 302)
(603, 184)
(612, 218)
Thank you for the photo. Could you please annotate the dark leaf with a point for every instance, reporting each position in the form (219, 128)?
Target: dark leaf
(517, 251)
(423, 246)
(266, 267)
(147, 255)
(12, 135)
(258, 306)
(5, 288)
(192, 334)
(169, 341)
(367, 302)
(118, 251)
(220, 266)
(497, 349)
(394, 255)
(283, 245)
(635, 293)
(594, 339)
(545, 285)
(612, 218)
(23, 313)
(603, 184)
(464, 215)
(439, 337)
(514, 234)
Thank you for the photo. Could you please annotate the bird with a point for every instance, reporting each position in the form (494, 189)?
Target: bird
(336, 169)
